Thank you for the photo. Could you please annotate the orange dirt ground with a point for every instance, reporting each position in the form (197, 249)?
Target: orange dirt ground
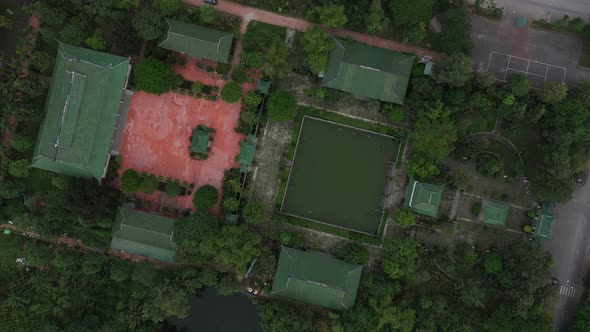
(156, 137)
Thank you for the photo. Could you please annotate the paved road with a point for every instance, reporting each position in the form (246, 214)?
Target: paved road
(570, 247)
(254, 14)
(537, 9)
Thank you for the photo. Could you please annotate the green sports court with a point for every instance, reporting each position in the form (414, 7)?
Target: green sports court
(339, 175)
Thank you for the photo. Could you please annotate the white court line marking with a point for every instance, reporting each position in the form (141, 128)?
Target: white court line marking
(507, 66)
(524, 72)
(539, 62)
(529, 61)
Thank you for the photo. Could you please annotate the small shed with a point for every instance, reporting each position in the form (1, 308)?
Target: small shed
(495, 213)
(247, 151)
(424, 198)
(263, 87)
(544, 224)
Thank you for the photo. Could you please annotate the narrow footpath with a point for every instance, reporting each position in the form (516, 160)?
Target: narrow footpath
(254, 14)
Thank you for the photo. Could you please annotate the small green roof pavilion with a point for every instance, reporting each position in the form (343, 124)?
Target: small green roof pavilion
(496, 213)
(368, 71)
(144, 234)
(247, 151)
(545, 224)
(316, 278)
(424, 198)
(81, 112)
(197, 41)
(200, 140)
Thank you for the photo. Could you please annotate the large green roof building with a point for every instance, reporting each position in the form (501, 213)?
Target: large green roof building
(144, 234)
(367, 71)
(424, 198)
(197, 41)
(316, 278)
(81, 112)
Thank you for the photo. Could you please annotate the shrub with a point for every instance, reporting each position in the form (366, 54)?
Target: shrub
(172, 189)
(239, 75)
(231, 204)
(228, 285)
(197, 88)
(354, 253)
(492, 263)
(22, 143)
(395, 113)
(207, 14)
(253, 213)
(404, 218)
(155, 76)
(252, 98)
(231, 93)
(282, 106)
(148, 24)
(149, 184)
(476, 208)
(205, 197)
(519, 85)
(130, 181)
(19, 168)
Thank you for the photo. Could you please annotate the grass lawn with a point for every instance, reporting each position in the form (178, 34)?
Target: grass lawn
(339, 175)
(470, 122)
(528, 139)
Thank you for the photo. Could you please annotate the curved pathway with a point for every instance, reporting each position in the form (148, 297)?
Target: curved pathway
(254, 14)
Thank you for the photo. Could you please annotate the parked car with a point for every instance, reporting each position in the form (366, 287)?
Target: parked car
(211, 2)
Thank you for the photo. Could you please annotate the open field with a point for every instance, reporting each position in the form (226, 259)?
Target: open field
(339, 175)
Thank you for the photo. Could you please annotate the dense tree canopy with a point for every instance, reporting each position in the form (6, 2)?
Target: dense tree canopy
(400, 258)
(454, 37)
(148, 24)
(404, 218)
(333, 16)
(282, 106)
(205, 197)
(454, 70)
(410, 12)
(231, 92)
(317, 45)
(154, 76)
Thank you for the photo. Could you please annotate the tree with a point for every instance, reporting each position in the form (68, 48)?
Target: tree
(65, 260)
(400, 257)
(404, 218)
(205, 197)
(454, 70)
(492, 263)
(549, 188)
(333, 16)
(281, 317)
(395, 113)
(433, 136)
(581, 321)
(130, 181)
(149, 184)
(148, 24)
(422, 168)
(236, 246)
(253, 213)
(22, 143)
(408, 12)
(207, 14)
(317, 45)
(230, 204)
(154, 76)
(282, 106)
(454, 37)
(472, 294)
(252, 98)
(120, 270)
(96, 41)
(354, 253)
(458, 180)
(6, 22)
(74, 33)
(11, 189)
(519, 85)
(376, 20)
(277, 61)
(145, 274)
(397, 318)
(41, 61)
(92, 264)
(228, 285)
(232, 92)
(19, 168)
(553, 92)
(195, 236)
(197, 88)
(167, 7)
(416, 33)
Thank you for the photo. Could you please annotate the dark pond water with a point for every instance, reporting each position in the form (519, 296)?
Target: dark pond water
(214, 313)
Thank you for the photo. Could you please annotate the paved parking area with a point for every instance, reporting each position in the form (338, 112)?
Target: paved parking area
(505, 65)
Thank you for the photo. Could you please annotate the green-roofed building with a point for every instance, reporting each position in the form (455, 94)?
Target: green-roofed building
(197, 41)
(200, 139)
(424, 198)
(316, 278)
(263, 86)
(495, 213)
(144, 234)
(368, 72)
(81, 112)
(544, 224)
(247, 151)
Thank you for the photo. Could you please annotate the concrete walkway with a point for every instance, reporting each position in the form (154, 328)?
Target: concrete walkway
(254, 14)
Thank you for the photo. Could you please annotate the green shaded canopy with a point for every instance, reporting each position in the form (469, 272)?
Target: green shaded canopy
(545, 225)
(144, 234)
(496, 213)
(424, 198)
(197, 41)
(247, 151)
(316, 278)
(263, 86)
(81, 112)
(200, 140)
(368, 71)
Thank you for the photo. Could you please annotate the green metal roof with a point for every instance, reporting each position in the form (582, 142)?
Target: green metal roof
(424, 198)
(81, 112)
(316, 278)
(144, 234)
(368, 71)
(200, 140)
(231, 219)
(545, 225)
(197, 41)
(496, 213)
(263, 86)
(247, 151)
